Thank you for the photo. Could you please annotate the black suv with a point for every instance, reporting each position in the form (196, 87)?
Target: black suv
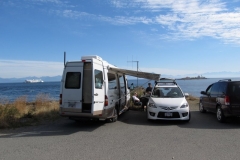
(222, 98)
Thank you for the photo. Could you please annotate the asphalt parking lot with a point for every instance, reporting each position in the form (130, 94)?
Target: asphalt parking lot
(131, 137)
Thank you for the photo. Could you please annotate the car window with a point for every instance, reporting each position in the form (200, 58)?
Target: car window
(98, 79)
(167, 92)
(112, 81)
(222, 87)
(73, 80)
(215, 88)
(234, 88)
(208, 90)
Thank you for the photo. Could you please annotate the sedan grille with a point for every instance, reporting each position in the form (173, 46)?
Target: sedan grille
(168, 108)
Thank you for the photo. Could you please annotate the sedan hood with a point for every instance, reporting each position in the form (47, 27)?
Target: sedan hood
(167, 101)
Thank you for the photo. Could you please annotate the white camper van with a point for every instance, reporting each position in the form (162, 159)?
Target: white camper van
(92, 88)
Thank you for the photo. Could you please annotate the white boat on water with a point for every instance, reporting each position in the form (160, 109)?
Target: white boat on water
(33, 80)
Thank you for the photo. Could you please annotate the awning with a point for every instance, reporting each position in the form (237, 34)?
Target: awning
(146, 75)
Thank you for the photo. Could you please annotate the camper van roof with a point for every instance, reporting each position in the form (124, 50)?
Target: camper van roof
(91, 57)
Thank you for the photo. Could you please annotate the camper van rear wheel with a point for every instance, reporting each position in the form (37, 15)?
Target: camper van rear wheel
(114, 116)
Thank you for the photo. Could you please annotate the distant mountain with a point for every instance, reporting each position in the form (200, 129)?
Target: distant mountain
(19, 80)
(223, 74)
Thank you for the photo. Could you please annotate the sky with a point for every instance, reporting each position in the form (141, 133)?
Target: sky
(168, 37)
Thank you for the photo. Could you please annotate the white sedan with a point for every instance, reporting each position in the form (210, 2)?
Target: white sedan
(167, 102)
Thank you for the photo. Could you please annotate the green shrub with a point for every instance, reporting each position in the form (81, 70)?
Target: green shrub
(8, 116)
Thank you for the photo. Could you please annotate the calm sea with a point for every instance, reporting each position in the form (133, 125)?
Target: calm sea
(12, 91)
(192, 87)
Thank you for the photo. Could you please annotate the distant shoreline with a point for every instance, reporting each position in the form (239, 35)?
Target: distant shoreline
(191, 78)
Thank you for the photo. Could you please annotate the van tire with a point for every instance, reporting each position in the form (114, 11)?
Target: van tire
(114, 117)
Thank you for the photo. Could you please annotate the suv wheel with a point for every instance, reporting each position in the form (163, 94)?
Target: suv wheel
(220, 115)
(201, 108)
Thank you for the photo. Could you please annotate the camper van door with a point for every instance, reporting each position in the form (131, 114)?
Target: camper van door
(122, 91)
(98, 87)
(72, 89)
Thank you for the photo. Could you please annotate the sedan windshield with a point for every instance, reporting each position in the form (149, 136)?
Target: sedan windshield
(167, 92)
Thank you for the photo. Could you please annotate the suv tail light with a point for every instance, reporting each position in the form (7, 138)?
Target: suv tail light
(227, 100)
(106, 101)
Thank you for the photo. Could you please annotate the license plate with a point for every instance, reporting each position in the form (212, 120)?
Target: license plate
(72, 104)
(168, 114)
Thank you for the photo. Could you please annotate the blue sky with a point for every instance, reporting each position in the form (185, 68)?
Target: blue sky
(173, 37)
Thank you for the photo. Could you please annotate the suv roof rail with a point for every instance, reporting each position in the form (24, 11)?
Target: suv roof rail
(225, 80)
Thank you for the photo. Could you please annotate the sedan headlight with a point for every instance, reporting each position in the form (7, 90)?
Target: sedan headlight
(152, 105)
(185, 105)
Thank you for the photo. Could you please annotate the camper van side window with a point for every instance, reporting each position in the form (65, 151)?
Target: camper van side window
(98, 79)
(73, 80)
(122, 83)
(112, 82)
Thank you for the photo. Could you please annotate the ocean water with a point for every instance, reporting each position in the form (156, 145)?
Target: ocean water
(12, 91)
(192, 87)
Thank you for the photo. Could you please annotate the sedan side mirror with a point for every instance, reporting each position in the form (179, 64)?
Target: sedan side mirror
(186, 94)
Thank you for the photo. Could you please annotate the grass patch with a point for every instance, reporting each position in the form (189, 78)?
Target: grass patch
(22, 113)
(192, 98)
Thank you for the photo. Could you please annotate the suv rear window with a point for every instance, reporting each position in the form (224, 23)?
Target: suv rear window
(73, 80)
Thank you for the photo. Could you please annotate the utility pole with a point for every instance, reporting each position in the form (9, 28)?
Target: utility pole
(137, 69)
